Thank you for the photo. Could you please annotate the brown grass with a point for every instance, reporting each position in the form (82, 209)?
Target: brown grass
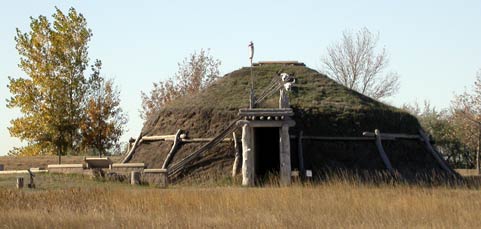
(86, 203)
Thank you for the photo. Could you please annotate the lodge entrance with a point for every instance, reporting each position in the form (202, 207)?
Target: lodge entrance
(266, 144)
(266, 158)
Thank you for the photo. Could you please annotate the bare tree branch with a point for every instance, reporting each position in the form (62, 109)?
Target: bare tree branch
(354, 63)
(196, 72)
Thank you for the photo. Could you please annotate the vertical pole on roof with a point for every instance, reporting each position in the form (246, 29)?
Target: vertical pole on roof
(251, 93)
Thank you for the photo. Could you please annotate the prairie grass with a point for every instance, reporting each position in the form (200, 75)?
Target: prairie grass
(334, 203)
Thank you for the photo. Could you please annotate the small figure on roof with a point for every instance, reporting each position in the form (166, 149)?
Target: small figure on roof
(288, 82)
(251, 51)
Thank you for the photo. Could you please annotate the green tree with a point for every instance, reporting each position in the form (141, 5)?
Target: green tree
(54, 58)
(196, 72)
(104, 120)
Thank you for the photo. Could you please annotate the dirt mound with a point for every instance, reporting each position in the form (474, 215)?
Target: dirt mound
(322, 108)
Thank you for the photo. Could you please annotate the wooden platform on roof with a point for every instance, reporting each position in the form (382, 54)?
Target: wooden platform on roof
(287, 62)
(257, 112)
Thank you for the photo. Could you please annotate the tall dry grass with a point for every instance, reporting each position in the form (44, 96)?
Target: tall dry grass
(336, 203)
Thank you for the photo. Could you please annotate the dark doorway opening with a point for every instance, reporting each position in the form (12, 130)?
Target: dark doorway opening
(266, 143)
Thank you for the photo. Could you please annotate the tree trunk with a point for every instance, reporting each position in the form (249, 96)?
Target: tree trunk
(59, 157)
(477, 151)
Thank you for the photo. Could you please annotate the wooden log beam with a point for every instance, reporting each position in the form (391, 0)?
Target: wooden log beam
(131, 153)
(368, 136)
(325, 138)
(135, 178)
(285, 156)
(180, 165)
(247, 156)
(266, 112)
(159, 138)
(184, 140)
(19, 182)
(393, 136)
(238, 156)
(258, 123)
(436, 154)
(193, 140)
(382, 153)
(173, 150)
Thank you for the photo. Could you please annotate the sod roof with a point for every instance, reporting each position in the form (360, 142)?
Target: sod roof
(336, 109)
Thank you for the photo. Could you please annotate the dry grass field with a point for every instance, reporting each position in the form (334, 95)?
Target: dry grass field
(73, 201)
(78, 202)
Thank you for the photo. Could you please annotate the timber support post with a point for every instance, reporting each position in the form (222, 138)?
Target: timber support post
(31, 184)
(382, 153)
(300, 154)
(247, 156)
(135, 178)
(19, 182)
(238, 156)
(285, 155)
(132, 150)
(174, 148)
(435, 154)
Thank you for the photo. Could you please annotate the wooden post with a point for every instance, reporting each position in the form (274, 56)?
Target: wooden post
(132, 150)
(300, 153)
(283, 98)
(285, 155)
(31, 184)
(59, 157)
(19, 182)
(175, 145)
(248, 169)
(435, 154)
(384, 157)
(135, 178)
(164, 179)
(237, 160)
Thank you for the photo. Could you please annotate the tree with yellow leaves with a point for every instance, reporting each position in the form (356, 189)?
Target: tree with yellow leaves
(195, 72)
(467, 118)
(54, 57)
(62, 111)
(104, 120)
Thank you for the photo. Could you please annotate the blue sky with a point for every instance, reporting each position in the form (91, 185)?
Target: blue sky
(434, 45)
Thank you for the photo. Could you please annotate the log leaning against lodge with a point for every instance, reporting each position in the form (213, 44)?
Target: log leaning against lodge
(382, 153)
(180, 165)
(136, 143)
(174, 148)
(436, 154)
(238, 156)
